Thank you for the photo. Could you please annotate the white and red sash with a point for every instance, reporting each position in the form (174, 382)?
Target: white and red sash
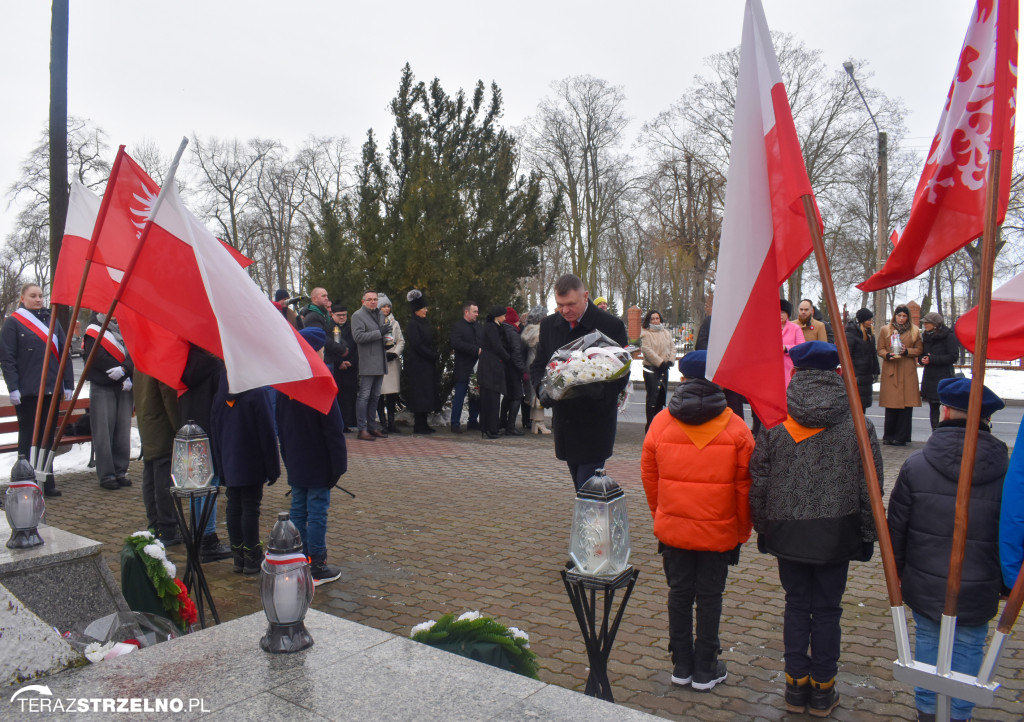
(108, 342)
(33, 324)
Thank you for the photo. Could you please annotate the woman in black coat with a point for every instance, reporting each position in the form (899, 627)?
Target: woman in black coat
(420, 363)
(22, 351)
(490, 372)
(941, 351)
(861, 340)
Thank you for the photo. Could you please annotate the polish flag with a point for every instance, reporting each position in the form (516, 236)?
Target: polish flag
(765, 234)
(948, 211)
(187, 281)
(1006, 323)
(154, 350)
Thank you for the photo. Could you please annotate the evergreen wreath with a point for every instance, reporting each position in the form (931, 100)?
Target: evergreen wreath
(471, 628)
(161, 572)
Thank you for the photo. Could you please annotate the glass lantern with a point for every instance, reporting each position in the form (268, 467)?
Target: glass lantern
(286, 590)
(191, 464)
(896, 347)
(599, 543)
(23, 506)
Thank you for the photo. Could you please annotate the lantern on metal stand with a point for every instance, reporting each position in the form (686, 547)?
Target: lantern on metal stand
(286, 590)
(191, 465)
(599, 561)
(24, 506)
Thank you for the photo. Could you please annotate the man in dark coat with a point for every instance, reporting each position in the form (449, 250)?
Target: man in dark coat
(584, 426)
(315, 455)
(316, 314)
(810, 506)
(110, 402)
(941, 351)
(922, 508)
(346, 372)
(861, 340)
(465, 339)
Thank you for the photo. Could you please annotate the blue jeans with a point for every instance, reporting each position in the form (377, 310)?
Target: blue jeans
(458, 399)
(366, 401)
(968, 652)
(211, 525)
(309, 515)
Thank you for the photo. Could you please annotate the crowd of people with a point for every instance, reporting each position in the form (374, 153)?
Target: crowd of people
(710, 481)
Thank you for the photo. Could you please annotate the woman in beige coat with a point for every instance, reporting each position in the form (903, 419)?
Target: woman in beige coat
(900, 391)
(659, 351)
(392, 382)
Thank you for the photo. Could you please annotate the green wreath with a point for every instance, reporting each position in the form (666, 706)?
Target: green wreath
(480, 638)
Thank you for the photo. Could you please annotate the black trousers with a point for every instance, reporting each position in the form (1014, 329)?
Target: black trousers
(156, 495)
(243, 515)
(898, 424)
(814, 606)
(656, 386)
(694, 576)
(933, 413)
(582, 472)
(26, 413)
(490, 401)
(511, 401)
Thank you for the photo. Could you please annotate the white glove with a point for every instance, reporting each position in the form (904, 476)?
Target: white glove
(116, 373)
(127, 385)
(15, 397)
(67, 394)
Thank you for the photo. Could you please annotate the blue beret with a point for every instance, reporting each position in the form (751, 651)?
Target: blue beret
(694, 364)
(955, 393)
(814, 355)
(315, 337)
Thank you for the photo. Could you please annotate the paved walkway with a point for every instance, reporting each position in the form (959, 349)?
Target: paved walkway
(450, 523)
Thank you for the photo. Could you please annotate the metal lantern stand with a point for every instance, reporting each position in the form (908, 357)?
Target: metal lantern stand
(200, 505)
(582, 590)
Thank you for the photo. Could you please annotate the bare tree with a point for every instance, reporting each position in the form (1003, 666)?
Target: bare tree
(573, 143)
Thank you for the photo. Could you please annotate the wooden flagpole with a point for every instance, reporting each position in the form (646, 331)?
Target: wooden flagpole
(892, 581)
(42, 386)
(117, 297)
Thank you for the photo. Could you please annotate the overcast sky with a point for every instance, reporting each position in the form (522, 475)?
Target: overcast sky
(283, 70)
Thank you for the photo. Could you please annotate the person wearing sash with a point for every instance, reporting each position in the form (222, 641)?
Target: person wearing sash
(22, 350)
(110, 402)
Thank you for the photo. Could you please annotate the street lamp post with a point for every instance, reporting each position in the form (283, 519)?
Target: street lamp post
(883, 197)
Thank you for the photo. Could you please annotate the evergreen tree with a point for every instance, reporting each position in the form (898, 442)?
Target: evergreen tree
(445, 211)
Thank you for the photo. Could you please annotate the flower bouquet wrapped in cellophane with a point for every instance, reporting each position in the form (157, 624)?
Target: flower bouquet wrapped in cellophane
(579, 367)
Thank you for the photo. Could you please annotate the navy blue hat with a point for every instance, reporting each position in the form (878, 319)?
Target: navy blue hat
(955, 394)
(314, 336)
(814, 355)
(694, 364)
(281, 294)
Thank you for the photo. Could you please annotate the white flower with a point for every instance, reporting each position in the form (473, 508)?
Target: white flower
(423, 626)
(143, 534)
(155, 550)
(95, 651)
(517, 633)
(169, 567)
(469, 617)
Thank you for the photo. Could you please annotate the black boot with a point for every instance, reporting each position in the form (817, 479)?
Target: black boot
(253, 559)
(824, 697)
(211, 550)
(708, 670)
(389, 409)
(50, 486)
(798, 691)
(237, 558)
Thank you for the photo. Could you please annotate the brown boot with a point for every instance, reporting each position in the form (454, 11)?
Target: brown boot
(365, 435)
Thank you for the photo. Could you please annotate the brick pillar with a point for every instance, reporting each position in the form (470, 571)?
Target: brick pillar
(915, 313)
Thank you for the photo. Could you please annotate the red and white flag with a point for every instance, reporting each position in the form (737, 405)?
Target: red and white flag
(188, 282)
(948, 211)
(765, 234)
(1006, 323)
(154, 350)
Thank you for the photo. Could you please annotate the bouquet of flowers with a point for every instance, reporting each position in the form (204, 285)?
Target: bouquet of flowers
(161, 572)
(590, 359)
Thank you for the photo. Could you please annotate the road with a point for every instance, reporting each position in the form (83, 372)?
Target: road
(1005, 424)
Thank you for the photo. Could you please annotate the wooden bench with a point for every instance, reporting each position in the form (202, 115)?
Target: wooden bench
(9, 424)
